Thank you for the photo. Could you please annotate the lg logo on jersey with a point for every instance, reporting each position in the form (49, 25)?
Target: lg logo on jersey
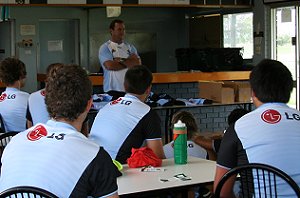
(294, 116)
(40, 131)
(12, 96)
(2, 97)
(37, 133)
(5, 96)
(120, 101)
(272, 116)
(43, 92)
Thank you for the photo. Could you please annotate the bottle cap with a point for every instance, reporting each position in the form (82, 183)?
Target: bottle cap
(179, 124)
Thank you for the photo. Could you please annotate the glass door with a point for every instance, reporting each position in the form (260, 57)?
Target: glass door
(284, 46)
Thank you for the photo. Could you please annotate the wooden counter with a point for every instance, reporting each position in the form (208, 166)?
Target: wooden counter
(197, 76)
(177, 77)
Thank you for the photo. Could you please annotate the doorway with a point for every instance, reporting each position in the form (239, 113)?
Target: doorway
(284, 46)
(58, 42)
(7, 39)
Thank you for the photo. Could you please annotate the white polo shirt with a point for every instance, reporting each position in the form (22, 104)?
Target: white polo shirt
(37, 109)
(13, 105)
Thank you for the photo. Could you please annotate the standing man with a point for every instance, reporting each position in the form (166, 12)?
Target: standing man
(270, 134)
(116, 56)
(128, 122)
(56, 156)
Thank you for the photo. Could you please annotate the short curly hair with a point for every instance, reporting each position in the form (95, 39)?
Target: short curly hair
(12, 70)
(68, 91)
(52, 67)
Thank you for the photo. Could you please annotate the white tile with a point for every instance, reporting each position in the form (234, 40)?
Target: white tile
(164, 1)
(147, 1)
(182, 2)
(58, 1)
(77, 2)
(112, 1)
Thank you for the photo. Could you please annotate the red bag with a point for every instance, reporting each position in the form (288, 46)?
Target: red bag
(141, 157)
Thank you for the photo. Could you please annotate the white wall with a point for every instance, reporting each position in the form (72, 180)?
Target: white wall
(30, 16)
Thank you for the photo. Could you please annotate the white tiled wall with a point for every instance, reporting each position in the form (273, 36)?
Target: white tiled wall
(112, 1)
(182, 2)
(147, 1)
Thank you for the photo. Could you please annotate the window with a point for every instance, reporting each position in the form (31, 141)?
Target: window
(238, 32)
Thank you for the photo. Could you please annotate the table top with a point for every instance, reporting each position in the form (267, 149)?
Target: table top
(99, 105)
(201, 105)
(199, 170)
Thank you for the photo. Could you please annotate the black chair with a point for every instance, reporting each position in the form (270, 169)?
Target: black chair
(27, 191)
(4, 140)
(6, 137)
(2, 127)
(259, 180)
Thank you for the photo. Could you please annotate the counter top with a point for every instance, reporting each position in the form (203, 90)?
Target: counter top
(178, 77)
(175, 77)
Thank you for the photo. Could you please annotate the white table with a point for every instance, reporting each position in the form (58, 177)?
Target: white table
(200, 171)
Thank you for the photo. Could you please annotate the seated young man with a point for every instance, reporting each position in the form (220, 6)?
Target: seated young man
(127, 122)
(37, 109)
(212, 145)
(192, 130)
(269, 134)
(13, 101)
(55, 156)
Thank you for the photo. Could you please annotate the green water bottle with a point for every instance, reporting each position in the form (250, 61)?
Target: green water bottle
(180, 143)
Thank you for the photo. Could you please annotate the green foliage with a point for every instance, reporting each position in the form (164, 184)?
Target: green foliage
(283, 39)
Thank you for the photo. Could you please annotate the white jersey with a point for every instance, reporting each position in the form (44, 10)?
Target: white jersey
(52, 157)
(37, 109)
(270, 135)
(114, 80)
(192, 149)
(124, 124)
(13, 105)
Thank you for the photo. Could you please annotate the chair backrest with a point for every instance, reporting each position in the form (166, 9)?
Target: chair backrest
(27, 191)
(259, 180)
(5, 138)
(2, 127)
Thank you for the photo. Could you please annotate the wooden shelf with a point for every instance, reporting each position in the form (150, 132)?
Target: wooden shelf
(140, 5)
